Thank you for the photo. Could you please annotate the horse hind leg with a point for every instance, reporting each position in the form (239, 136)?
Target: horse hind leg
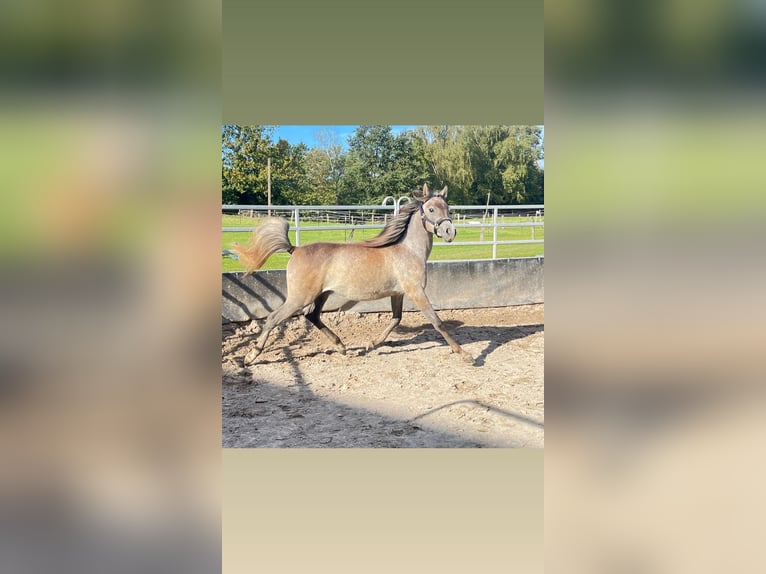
(396, 310)
(279, 315)
(314, 315)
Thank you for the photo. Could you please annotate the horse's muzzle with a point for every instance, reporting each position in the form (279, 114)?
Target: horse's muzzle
(446, 230)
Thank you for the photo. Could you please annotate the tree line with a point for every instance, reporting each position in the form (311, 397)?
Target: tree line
(480, 164)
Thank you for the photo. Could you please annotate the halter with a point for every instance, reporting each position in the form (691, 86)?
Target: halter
(434, 224)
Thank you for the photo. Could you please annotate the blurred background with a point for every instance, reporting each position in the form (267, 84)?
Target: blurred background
(654, 279)
(109, 401)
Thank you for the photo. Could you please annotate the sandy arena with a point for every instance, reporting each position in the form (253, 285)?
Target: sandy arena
(409, 392)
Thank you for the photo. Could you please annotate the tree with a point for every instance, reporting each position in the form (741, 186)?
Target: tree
(446, 153)
(504, 163)
(481, 142)
(517, 157)
(412, 162)
(324, 167)
(537, 192)
(244, 177)
(322, 188)
(244, 152)
(381, 164)
(288, 173)
(229, 195)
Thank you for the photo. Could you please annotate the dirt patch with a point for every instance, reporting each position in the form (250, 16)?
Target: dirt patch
(409, 392)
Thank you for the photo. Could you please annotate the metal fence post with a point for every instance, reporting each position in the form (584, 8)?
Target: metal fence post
(494, 233)
(297, 228)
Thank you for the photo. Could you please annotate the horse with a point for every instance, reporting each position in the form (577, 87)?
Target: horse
(391, 264)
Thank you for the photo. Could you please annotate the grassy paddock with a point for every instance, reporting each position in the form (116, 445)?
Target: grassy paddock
(441, 250)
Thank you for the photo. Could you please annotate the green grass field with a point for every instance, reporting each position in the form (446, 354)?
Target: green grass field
(441, 250)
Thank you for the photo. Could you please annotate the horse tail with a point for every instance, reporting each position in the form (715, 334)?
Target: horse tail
(270, 237)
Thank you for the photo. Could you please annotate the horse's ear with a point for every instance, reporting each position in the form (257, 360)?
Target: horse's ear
(425, 190)
(442, 193)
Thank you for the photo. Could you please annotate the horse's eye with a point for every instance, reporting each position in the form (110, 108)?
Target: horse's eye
(431, 209)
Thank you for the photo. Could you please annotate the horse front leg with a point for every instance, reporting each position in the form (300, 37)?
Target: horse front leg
(419, 297)
(396, 310)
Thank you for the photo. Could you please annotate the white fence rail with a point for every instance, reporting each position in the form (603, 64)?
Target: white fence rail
(349, 218)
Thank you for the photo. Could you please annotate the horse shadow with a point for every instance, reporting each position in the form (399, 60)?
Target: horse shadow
(497, 336)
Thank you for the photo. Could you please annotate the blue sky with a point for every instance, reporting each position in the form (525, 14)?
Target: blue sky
(307, 134)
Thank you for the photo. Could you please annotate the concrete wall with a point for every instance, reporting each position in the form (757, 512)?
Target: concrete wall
(451, 285)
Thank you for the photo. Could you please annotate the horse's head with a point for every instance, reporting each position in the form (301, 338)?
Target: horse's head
(434, 212)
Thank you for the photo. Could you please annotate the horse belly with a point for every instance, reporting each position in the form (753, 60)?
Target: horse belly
(365, 291)
(368, 295)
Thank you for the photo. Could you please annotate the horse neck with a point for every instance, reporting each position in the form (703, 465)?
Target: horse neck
(418, 240)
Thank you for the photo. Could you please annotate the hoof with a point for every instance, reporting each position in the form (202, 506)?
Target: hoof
(251, 357)
(467, 357)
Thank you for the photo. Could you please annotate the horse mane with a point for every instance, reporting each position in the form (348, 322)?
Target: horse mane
(396, 227)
